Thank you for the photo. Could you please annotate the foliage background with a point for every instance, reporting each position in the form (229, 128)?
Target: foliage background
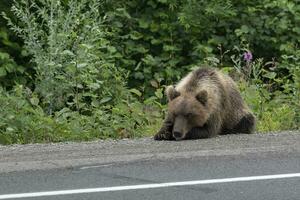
(80, 70)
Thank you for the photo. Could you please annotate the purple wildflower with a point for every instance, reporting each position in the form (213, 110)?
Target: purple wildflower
(248, 56)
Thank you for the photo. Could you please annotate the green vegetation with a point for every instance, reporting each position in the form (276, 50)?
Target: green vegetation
(80, 69)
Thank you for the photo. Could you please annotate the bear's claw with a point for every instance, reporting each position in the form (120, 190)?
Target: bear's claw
(163, 136)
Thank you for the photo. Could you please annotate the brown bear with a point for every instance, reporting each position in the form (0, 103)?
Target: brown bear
(204, 104)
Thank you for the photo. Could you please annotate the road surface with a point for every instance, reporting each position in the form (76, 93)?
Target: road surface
(258, 166)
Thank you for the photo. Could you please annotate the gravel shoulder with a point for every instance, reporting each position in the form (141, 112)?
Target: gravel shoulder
(69, 155)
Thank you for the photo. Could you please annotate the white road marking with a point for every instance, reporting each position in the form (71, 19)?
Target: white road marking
(95, 166)
(149, 186)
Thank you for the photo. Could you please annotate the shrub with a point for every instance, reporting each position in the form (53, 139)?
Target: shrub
(78, 91)
(13, 60)
(74, 62)
(24, 121)
(264, 90)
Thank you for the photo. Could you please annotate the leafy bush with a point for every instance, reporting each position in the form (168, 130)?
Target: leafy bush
(78, 89)
(23, 121)
(13, 67)
(264, 90)
(74, 62)
(270, 27)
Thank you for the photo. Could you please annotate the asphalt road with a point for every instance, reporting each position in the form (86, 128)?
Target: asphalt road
(259, 166)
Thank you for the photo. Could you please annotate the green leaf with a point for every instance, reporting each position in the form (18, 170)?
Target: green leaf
(136, 92)
(140, 49)
(139, 75)
(245, 29)
(82, 65)
(111, 49)
(270, 75)
(154, 83)
(2, 72)
(86, 46)
(156, 41)
(105, 100)
(9, 67)
(163, 1)
(34, 101)
(4, 139)
(136, 35)
(94, 86)
(4, 56)
(159, 93)
(68, 52)
(170, 48)
(143, 23)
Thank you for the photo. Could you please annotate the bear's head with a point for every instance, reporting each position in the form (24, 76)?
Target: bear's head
(187, 111)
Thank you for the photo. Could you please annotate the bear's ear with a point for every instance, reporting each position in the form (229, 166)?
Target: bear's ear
(202, 97)
(172, 93)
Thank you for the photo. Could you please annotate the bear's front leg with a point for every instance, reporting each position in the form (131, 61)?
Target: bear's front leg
(165, 132)
(207, 131)
(199, 133)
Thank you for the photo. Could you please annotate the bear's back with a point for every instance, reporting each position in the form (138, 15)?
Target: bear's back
(196, 79)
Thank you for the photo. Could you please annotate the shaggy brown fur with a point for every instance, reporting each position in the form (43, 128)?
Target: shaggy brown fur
(204, 104)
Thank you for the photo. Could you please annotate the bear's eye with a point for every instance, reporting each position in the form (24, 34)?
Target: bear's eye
(189, 115)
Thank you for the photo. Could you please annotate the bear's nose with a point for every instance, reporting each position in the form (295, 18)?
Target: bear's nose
(177, 134)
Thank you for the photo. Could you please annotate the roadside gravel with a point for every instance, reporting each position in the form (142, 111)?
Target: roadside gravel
(102, 152)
